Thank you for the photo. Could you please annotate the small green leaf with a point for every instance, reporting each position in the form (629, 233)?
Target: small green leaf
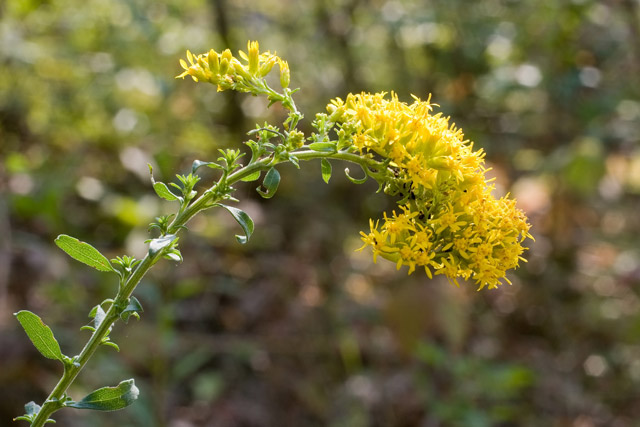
(323, 147)
(110, 344)
(270, 183)
(197, 164)
(83, 252)
(109, 398)
(161, 188)
(133, 308)
(163, 191)
(40, 335)
(244, 220)
(326, 170)
(356, 180)
(174, 255)
(254, 176)
(156, 245)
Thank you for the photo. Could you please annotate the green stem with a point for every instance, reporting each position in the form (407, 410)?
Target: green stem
(53, 402)
(206, 200)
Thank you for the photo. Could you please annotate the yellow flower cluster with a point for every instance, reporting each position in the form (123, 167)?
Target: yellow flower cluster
(228, 72)
(447, 221)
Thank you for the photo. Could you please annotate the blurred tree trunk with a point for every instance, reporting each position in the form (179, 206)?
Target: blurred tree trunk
(233, 117)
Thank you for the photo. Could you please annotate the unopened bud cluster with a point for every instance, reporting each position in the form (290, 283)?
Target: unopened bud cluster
(230, 73)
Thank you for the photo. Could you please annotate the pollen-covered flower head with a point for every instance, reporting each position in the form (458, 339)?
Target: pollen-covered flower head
(447, 220)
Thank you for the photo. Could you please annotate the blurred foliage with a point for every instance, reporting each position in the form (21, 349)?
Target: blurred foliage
(297, 328)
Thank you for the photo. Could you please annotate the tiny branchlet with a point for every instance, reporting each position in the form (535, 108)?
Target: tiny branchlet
(447, 221)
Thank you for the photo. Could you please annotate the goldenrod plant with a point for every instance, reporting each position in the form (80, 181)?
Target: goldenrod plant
(447, 220)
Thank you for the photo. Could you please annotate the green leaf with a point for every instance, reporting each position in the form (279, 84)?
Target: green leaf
(326, 170)
(156, 245)
(163, 191)
(196, 165)
(109, 398)
(244, 220)
(83, 252)
(40, 335)
(323, 147)
(254, 176)
(270, 183)
(174, 255)
(111, 344)
(199, 163)
(356, 180)
(161, 188)
(132, 309)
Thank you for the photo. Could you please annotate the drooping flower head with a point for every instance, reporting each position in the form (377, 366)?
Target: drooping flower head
(447, 220)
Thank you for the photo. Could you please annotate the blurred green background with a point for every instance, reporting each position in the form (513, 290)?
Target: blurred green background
(295, 328)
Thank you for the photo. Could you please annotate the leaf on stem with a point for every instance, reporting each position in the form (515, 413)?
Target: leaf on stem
(83, 252)
(198, 163)
(32, 409)
(134, 308)
(270, 184)
(98, 315)
(161, 188)
(244, 220)
(253, 177)
(326, 170)
(40, 335)
(109, 398)
(324, 147)
(156, 245)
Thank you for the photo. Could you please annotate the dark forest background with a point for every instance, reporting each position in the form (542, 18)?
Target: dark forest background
(296, 328)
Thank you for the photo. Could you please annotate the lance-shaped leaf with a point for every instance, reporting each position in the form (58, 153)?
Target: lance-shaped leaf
(326, 170)
(156, 245)
(270, 183)
(244, 220)
(252, 177)
(40, 335)
(323, 147)
(83, 252)
(109, 398)
(161, 188)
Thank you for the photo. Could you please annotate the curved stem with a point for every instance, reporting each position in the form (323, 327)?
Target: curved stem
(55, 400)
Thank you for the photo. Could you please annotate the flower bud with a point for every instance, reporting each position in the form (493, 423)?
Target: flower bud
(254, 57)
(240, 70)
(285, 76)
(266, 67)
(214, 61)
(225, 61)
